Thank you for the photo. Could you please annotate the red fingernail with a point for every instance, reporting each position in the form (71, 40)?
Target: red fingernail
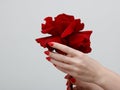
(47, 52)
(48, 58)
(73, 80)
(67, 76)
(50, 44)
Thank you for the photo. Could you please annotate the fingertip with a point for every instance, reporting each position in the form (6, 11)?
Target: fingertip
(50, 44)
(48, 58)
(73, 80)
(47, 52)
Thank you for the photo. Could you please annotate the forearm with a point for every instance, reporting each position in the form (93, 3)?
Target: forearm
(109, 80)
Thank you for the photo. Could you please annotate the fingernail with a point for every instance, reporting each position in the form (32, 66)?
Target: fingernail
(67, 76)
(48, 58)
(47, 52)
(73, 80)
(50, 44)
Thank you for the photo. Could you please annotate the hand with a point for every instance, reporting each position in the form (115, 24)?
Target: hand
(81, 85)
(75, 63)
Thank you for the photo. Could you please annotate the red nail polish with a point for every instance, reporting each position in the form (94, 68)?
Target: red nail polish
(67, 76)
(47, 52)
(48, 58)
(50, 44)
(73, 80)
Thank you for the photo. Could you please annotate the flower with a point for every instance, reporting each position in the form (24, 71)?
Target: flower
(67, 30)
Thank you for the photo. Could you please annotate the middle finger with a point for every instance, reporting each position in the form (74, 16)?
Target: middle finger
(61, 58)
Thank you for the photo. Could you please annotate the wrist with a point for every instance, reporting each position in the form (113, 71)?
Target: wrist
(101, 76)
(108, 80)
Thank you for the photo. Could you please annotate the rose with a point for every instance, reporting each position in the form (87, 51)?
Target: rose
(62, 25)
(67, 30)
(80, 41)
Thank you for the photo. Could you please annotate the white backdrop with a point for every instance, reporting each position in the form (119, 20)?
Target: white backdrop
(22, 62)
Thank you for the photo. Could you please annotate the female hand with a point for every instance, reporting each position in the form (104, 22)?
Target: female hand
(81, 85)
(75, 63)
(83, 68)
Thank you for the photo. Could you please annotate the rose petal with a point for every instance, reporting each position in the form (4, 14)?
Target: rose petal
(44, 41)
(64, 17)
(47, 30)
(75, 26)
(80, 41)
(79, 26)
(48, 19)
(48, 26)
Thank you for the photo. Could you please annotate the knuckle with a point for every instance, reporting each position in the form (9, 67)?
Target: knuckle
(80, 63)
(81, 55)
(76, 69)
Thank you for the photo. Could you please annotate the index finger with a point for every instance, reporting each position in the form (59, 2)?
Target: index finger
(64, 48)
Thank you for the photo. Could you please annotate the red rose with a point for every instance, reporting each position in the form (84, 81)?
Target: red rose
(80, 41)
(62, 25)
(65, 29)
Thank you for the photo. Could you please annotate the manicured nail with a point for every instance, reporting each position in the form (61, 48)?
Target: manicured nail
(47, 52)
(48, 58)
(50, 44)
(67, 76)
(73, 80)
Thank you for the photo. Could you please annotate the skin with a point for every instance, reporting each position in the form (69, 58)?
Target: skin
(90, 74)
(81, 85)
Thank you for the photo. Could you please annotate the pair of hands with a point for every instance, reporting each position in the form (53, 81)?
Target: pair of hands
(84, 69)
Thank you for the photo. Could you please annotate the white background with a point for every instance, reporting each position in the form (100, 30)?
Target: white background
(22, 62)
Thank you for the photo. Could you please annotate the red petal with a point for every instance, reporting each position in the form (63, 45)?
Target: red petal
(48, 19)
(69, 29)
(44, 41)
(75, 26)
(48, 26)
(47, 30)
(64, 17)
(79, 26)
(43, 26)
(80, 41)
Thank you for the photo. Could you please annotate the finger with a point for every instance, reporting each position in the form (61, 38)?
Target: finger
(66, 68)
(67, 72)
(61, 58)
(75, 88)
(61, 69)
(61, 64)
(64, 48)
(67, 76)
